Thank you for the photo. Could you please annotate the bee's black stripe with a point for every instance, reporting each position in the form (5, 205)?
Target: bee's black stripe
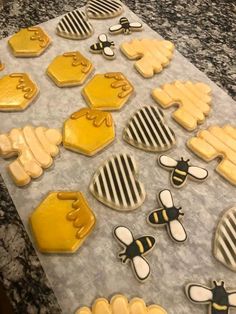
(75, 25)
(103, 8)
(147, 129)
(114, 183)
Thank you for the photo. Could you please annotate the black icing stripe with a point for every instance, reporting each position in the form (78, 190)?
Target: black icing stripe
(103, 7)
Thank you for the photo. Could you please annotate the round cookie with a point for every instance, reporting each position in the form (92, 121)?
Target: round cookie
(103, 9)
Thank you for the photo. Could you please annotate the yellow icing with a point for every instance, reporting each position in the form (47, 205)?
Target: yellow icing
(88, 131)
(29, 42)
(108, 91)
(1, 66)
(17, 91)
(62, 222)
(69, 69)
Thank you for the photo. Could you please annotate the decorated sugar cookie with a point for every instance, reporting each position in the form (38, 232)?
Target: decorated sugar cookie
(29, 42)
(75, 25)
(148, 130)
(193, 100)
(168, 215)
(61, 222)
(119, 304)
(35, 148)
(225, 240)
(181, 169)
(88, 131)
(152, 54)
(214, 142)
(109, 91)
(17, 92)
(125, 27)
(219, 299)
(134, 251)
(103, 9)
(1, 66)
(104, 46)
(69, 69)
(115, 183)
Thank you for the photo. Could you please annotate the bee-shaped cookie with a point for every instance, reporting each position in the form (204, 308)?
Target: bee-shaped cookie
(125, 27)
(104, 46)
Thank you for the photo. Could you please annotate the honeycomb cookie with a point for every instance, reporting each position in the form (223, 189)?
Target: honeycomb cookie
(35, 148)
(216, 142)
(193, 100)
(88, 131)
(119, 304)
(75, 25)
(29, 42)
(103, 9)
(115, 183)
(148, 130)
(62, 222)
(225, 239)
(109, 91)
(69, 69)
(153, 54)
(17, 92)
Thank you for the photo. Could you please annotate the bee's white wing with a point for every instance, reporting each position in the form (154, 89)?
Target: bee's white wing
(232, 299)
(166, 161)
(198, 293)
(135, 25)
(141, 267)
(177, 231)
(108, 52)
(166, 199)
(102, 37)
(198, 173)
(115, 28)
(123, 235)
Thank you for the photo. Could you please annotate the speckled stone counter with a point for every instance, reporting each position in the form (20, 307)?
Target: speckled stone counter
(203, 31)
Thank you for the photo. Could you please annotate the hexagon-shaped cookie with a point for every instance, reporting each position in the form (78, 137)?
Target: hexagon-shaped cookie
(69, 69)
(61, 222)
(17, 91)
(109, 91)
(29, 42)
(88, 131)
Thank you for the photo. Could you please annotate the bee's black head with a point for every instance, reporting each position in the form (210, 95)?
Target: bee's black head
(220, 296)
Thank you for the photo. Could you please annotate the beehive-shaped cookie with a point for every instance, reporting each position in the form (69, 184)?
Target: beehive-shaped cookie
(154, 54)
(119, 304)
(217, 142)
(35, 148)
(193, 100)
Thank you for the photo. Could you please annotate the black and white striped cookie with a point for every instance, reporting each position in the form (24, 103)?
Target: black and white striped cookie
(75, 25)
(103, 9)
(115, 184)
(148, 130)
(225, 240)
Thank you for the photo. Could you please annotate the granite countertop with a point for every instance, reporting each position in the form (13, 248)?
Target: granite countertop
(203, 31)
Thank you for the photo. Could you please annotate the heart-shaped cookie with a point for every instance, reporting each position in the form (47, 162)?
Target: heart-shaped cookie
(225, 240)
(75, 25)
(103, 9)
(148, 130)
(115, 184)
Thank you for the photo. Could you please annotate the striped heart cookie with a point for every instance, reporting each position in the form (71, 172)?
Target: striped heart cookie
(115, 184)
(103, 9)
(75, 25)
(225, 240)
(148, 130)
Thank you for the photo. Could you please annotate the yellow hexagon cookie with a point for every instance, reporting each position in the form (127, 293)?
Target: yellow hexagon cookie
(62, 222)
(119, 304)
(108, 91)
(29, 42)
(17, 91)
(69, 69)
(88, 131)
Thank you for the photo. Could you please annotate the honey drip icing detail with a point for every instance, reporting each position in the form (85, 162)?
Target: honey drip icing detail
(39, 35)
(120, 81)
(25, 84)
(97, 116)
(78, 59)
(81, 215)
